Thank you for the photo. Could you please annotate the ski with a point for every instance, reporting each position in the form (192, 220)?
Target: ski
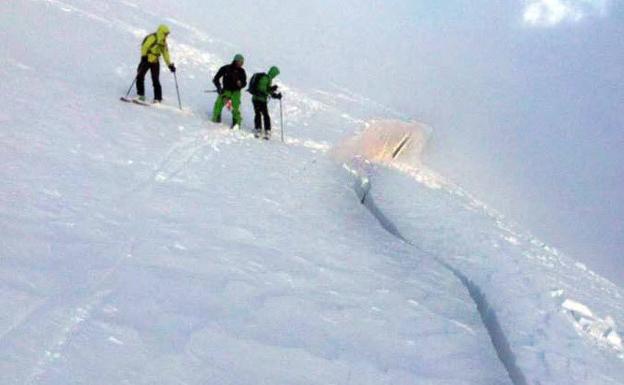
(135, 101)
(158, 106)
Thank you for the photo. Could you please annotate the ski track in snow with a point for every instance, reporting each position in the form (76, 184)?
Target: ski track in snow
(64, 313)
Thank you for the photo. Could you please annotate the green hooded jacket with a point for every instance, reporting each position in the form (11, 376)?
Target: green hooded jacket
(155, 44)
(263, 89)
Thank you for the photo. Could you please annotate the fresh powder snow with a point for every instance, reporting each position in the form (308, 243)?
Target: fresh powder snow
(146, 245)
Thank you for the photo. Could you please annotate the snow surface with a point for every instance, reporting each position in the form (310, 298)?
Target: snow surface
(149, 246)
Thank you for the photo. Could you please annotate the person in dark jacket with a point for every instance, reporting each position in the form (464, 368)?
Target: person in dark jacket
(261, 92)
(230, 80)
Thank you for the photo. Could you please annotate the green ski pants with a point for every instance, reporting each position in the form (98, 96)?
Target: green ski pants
(235, 97)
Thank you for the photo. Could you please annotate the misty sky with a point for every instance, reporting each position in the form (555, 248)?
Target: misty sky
(525, 96)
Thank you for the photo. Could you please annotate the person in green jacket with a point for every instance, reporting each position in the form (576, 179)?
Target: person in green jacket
(154, 45)
(261, 88)
(229, 81)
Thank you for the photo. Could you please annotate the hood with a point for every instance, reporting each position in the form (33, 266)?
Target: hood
(273, 72)
(162, 32)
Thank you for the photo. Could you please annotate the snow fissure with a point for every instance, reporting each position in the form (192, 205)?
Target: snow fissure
(488, 316)
(362, 189)
(493, 327)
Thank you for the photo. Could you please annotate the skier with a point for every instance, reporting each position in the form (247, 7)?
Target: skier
(154, 45)
(234, 79)
(261, 88)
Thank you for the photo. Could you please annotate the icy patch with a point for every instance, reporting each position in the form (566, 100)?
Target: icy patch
(512, 240)
(601, 331)
(129, 4)
(580, 266)
(160, 177)
(423, 175)
(20, 65)
(115, 341)
(310, 144)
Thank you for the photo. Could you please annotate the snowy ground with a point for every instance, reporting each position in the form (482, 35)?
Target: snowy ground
(535, 302)
(149, 246)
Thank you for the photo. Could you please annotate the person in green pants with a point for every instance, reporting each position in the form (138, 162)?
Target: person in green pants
(230, 80)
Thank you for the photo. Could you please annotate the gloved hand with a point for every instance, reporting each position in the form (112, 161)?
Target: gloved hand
(277, 96)
(273, 88)
(219, 90)
(172, 68)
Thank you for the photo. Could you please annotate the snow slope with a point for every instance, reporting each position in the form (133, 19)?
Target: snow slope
(534, 301)
(149, 246)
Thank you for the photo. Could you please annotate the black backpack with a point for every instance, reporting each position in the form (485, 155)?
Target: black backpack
(253, 83)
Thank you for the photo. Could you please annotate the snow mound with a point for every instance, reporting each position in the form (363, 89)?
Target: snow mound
(601, 331)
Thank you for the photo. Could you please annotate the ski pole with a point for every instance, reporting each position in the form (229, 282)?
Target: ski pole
(282, 120)
(175, 77)
(211, 91)
(131, 86)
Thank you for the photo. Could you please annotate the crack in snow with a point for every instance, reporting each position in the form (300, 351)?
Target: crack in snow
(488, 316)
(493, 327)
